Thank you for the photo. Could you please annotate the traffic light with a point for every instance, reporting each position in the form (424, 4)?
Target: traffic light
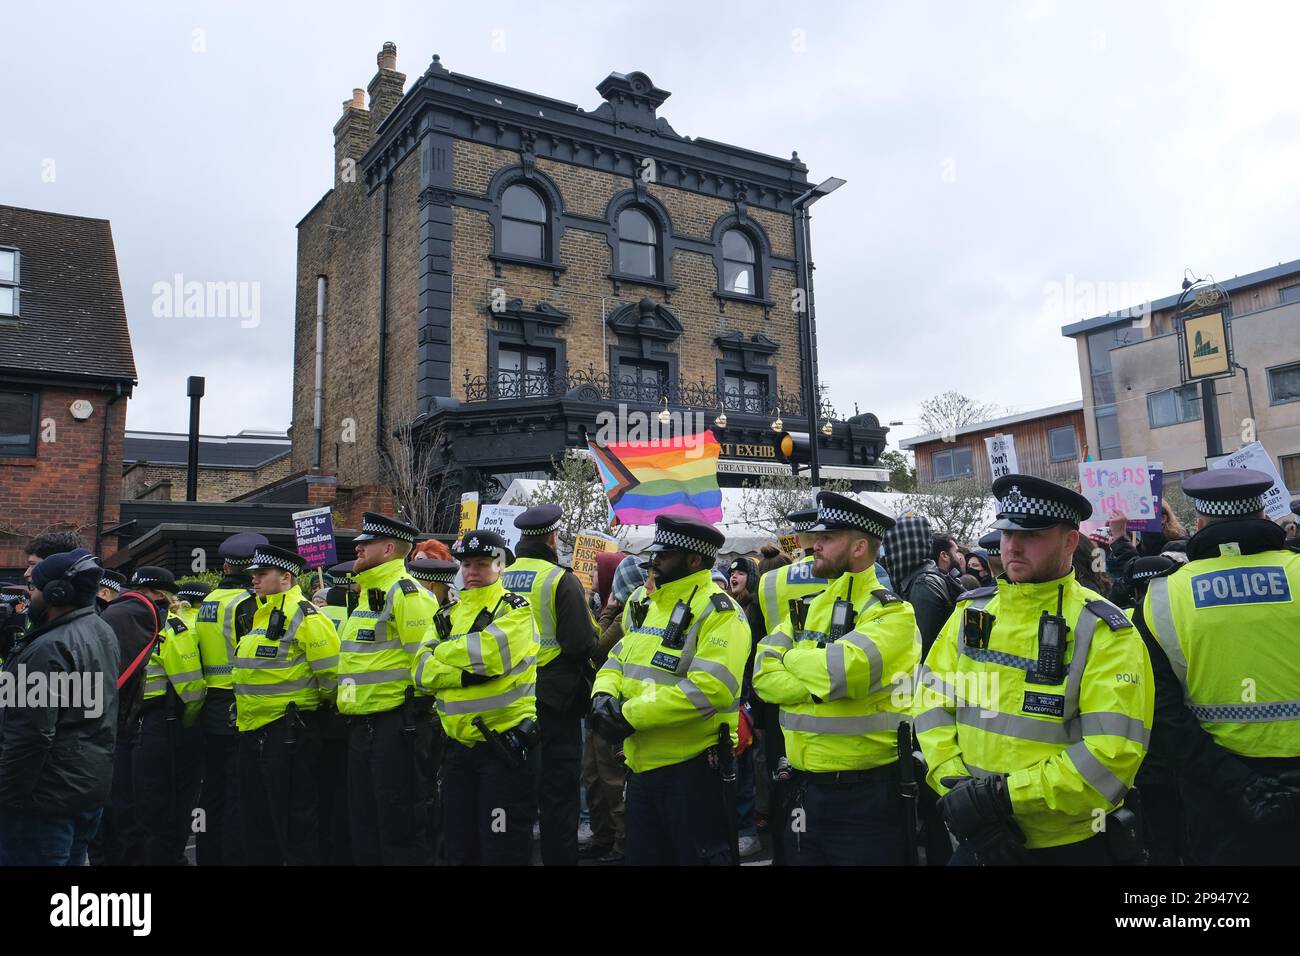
(791, 448)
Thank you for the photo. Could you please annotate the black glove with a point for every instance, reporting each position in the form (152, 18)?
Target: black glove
(1268, 801)
(978, 812)
(607, 716)
(468, 679)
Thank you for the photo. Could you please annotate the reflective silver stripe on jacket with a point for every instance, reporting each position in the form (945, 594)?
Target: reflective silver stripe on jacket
(480, 705)
(1161, 620)
(546, 612)
(849, 726)
(771, 614)
(1260, 712)
(1095, 773)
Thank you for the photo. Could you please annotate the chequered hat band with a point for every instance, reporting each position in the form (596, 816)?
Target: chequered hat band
(804, 526)
(993, 552)
(111, 583)
(1229, 509)
(840, 516)
(437, 577)
(1017, 504)
(385, 530)
(275, 561)
(137, 580)
(237, 562)
(538, 532)
(677, 541)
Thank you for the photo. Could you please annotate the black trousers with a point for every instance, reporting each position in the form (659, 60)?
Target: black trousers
(675, 816)
(277, 788)
(1089, 852)
(1216, 836)
(847, 824)
(121, 838)
(220, 840)
(558, 782)
(335, 843)
(166, 766)
(433, 776)
(487, 808)
(388, 791)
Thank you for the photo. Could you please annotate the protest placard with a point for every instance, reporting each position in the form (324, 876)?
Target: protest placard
(314, 530)
(1277, 500)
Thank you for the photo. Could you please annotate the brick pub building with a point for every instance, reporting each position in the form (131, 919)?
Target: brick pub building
(66, 372)
(496, 268)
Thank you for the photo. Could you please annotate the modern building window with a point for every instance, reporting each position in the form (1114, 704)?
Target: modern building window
(8, 282)
(739, 263)
(1108, 442)
(745, 393)
(524, 372)
(1289, 294)
(1284, 385)
(1291, 472)
(952, 463)
(643, 381)
(18, 424)
(638, 244)
(1099, 346)
(523, 223)
(1063, 443)
(1174, 406)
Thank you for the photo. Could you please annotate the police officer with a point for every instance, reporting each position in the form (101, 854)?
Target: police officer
(341, 597)
(663, 693)
(778, 587)
(111, 585)
(991, 544)
(225, 616)
(1035, 702)
(285, 669)
(1224, 635)
(480, 658)
(191, 595)
(389, 724)
(567, 636)
(833, 670)
(437, 575)
(168, 749)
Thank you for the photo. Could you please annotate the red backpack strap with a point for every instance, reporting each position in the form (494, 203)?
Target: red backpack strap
(144, 654)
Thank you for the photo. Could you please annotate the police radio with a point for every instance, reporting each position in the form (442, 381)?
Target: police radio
(675, 632)
(442, 622)
(842, 617)
(1052, 630)
(275, 626)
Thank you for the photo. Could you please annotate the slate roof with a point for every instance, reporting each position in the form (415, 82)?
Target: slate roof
(215, 451)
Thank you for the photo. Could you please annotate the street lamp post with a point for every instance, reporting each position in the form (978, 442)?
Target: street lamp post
(808, 327)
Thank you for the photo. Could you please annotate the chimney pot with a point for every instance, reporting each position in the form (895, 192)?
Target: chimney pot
(387, 58)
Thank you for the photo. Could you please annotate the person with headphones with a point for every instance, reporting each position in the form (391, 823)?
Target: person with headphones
(56, 751)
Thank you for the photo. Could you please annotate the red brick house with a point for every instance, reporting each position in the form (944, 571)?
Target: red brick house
(66, 371)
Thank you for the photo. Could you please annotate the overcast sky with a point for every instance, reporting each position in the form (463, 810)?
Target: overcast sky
(1000, 157)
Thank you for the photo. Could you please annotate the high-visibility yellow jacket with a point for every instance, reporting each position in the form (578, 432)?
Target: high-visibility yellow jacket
(380, 638)
(337, 615)
(216, 632)
(300, 667)
(175, 662)
(501, 644)
(675, 698)
(842, 701)
(1071, 748)
(1230, 627)
(778, 587)
(536, 579)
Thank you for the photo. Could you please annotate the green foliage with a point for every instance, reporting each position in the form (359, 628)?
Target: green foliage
(577, 489)
(955, 507)
(902, 473)
(767, 501)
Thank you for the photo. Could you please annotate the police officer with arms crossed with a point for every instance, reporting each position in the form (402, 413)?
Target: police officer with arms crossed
(832, 668)
(224, 617)
(1035, 702)
(389, 722)
(1224, 636)
(663, 693)
(480, 658)
(285, 670)
(797, 580)
(567, 637)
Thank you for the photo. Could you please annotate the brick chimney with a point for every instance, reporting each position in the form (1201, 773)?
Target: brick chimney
(351, 138)
(386, 88)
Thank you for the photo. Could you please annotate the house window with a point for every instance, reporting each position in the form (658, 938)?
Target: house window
(1108, 434)
(1284, 385)
(1291, 472)
(745, 393)
(638, 244)
(638, 380)
(8, 282)
(18, 413)
(1062, 443)
(952, 463)
(738, 263)
(524, 372)
(1174, 406)
(1290, 293)
(523, 223)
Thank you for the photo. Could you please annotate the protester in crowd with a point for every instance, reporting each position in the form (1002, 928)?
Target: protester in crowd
(910, 547)
(1123, 552)
(977, 565)
(46, 545)
(56, 753)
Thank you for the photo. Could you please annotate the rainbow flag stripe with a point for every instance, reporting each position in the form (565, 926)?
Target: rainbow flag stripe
(676, 476)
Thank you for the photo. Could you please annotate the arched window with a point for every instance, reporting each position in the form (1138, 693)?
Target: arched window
(523, 223)
(738, 263)
(638, 244)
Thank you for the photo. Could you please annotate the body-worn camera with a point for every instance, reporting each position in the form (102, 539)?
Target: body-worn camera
(678, 620)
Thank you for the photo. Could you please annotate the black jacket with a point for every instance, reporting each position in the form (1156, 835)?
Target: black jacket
(135, 630)
(930, 592)
(58, 758)
(565, 683)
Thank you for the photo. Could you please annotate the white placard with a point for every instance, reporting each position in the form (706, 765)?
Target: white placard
(1277, 501)
(1002, 455)
(501, 519)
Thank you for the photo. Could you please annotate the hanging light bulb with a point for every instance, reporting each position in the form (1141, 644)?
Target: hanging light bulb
(827, 429)
(721, 420)
(777, 424)
(664, 417)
